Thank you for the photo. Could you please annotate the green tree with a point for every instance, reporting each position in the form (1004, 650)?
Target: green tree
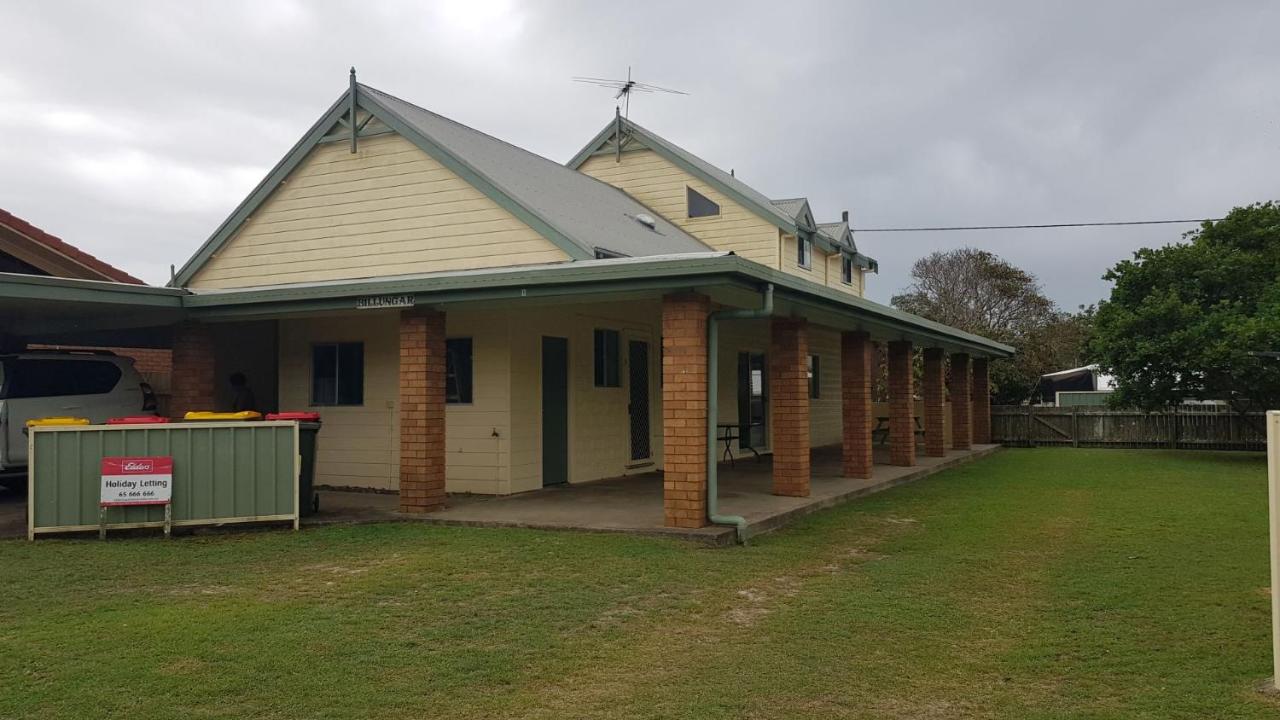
(1183, 319)
(980, 292)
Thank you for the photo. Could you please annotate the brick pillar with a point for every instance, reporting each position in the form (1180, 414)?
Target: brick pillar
(422, 373)
(902, 424)
(193, 382)
(684, 409)
(960, 438)
(789, 405)
(856, 352)
(981, 401)
(934, 399)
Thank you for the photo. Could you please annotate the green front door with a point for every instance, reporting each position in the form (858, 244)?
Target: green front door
(555, 411)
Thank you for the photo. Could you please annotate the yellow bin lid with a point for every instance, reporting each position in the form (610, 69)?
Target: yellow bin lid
(60, 420)
(204, 415)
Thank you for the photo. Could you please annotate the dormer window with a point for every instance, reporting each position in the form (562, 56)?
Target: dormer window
(700, 205)
(804, 252)
(846, 270)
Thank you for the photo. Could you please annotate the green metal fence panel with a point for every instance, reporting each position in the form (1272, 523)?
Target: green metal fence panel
(222, 473)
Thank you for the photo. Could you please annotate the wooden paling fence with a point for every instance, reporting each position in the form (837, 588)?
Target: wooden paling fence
(1183, 428)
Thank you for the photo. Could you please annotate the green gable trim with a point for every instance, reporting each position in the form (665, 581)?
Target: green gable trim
(656, 144)
(597, 144)
(278, 174)
(319, 133)
(576, 249)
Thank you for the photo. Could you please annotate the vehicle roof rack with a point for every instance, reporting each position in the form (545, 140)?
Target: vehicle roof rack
(66, 351)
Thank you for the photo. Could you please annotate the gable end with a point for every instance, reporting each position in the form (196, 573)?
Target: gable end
(331, 128)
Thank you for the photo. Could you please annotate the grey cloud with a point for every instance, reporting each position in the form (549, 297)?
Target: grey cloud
(133, 130)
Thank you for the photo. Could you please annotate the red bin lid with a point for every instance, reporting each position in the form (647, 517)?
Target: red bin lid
(296, 415)
(137, 420)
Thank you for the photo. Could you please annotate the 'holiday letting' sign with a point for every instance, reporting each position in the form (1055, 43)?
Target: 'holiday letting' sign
(136, 480)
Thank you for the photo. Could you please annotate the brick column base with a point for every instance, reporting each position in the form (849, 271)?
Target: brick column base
(193, 381)
(422, 393)
(902, 423)
(684, 409)
(981, 401)
(960, 437)
(789, 406)
(934, 398)
(855, 403)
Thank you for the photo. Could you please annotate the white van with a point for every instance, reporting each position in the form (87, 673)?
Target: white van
(93, 384)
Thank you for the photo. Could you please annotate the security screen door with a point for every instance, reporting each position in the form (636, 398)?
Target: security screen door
(638, 400)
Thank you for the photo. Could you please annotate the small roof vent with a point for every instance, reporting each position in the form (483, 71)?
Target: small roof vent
(647, 220)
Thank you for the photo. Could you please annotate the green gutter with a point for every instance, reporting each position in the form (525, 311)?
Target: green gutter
(713, 403)
(429, 286)
(588, 277)
(57, 289)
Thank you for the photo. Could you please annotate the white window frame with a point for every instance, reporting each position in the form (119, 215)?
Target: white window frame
(846, 270)
(804, 252)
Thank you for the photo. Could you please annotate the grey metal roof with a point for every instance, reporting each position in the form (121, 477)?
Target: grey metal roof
(712, 175)
(575, 212)
(793, 207)
(652, 273)
(47, 304)
(837, 232)
(591, 213)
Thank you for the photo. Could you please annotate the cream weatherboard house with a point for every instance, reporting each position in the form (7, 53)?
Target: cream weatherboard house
(471, 317)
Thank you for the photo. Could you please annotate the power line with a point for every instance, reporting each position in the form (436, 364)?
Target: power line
(1035, 227)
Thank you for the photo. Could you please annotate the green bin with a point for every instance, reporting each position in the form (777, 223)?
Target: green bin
(308, 430)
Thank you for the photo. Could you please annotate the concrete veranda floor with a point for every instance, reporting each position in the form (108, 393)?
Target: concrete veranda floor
(633, 504)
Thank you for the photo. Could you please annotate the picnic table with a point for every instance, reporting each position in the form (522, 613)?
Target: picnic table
(882, 428)
(727, 433)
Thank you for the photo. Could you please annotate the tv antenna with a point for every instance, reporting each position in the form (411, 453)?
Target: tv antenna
(625, 88)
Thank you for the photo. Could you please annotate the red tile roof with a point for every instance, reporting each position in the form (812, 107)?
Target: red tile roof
(26, 229)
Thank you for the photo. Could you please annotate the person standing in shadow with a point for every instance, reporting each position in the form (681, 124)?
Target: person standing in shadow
(241, 396)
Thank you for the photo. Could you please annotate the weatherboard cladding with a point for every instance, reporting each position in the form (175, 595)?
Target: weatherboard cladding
(791, 215)
(588, 212)
(726, 182)
(577, 213)
(838, 233)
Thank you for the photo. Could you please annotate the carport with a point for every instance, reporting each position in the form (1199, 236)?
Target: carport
(52, 310)
(63, 311)
(38, 310)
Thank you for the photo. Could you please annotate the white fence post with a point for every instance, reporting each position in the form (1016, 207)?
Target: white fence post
(1273, 505)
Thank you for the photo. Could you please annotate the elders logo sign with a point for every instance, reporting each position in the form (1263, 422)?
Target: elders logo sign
(136, 481)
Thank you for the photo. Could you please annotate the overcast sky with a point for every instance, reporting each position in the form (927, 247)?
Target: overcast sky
(132, 129)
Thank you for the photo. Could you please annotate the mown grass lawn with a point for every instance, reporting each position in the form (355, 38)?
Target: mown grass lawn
(1034, 584)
